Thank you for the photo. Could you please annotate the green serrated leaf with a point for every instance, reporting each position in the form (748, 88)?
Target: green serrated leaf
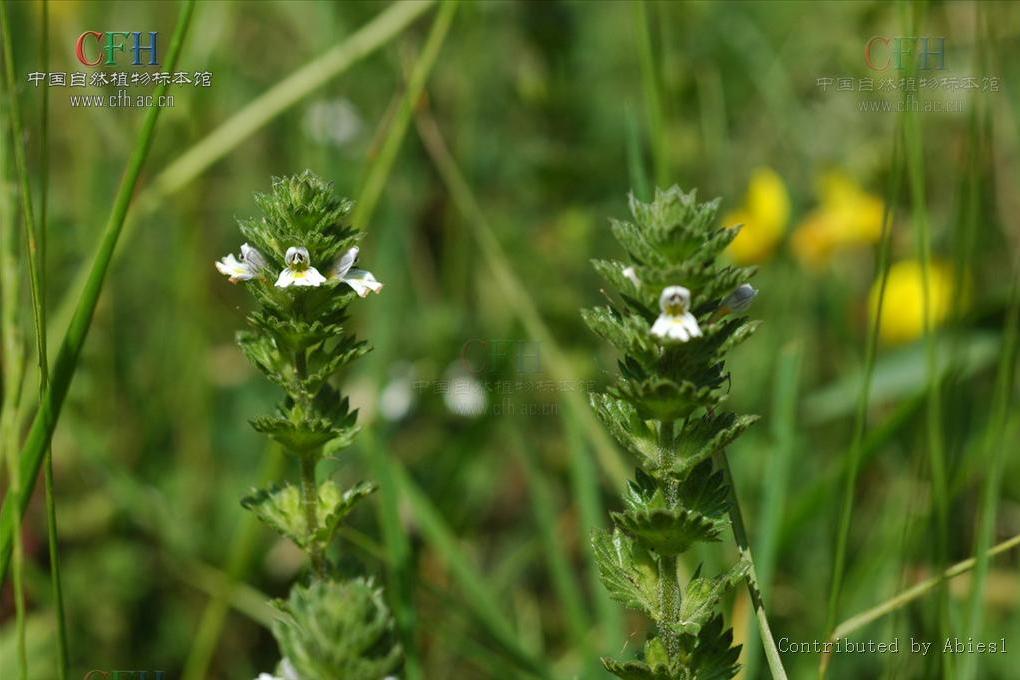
(281, 507)
(701, 597)
(668, 531)
(628, 571)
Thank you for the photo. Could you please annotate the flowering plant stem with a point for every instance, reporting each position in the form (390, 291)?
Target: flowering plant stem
(300, 264)
(665, 409)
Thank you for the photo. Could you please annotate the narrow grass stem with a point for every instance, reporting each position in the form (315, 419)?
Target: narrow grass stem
(52, 534)
(45, 420)
(775, 662)
(934, 418)
(653, 97)
(380, 170)
(857, 443)
(13, 362)
(855, 623)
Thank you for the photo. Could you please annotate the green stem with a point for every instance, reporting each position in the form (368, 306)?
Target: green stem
(744, 546)
(310, 504)
(857, 443)
(12, 360)
(309, 487)
(857, 622)
(669, 585)
(52, 534)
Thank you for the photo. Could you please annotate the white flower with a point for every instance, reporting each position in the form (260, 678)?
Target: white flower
(675, 322)
(465, 395)
(286, 671)
(360, 280)
(631, 276)
(299, 271)
(740, 299)
(245, 269)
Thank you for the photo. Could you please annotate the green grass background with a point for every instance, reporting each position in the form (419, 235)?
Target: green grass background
(483, 200)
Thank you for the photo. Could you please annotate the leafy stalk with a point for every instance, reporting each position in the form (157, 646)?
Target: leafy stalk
(329, 627)
(665, 410)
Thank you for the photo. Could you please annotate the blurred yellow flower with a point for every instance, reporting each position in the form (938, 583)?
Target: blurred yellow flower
(848, 216)
(902, 317)
(765, 214)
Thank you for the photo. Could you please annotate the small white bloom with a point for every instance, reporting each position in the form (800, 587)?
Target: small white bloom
(252, 257)
(740, 299)
(631, 276)
(245, 269)
(360, 280)
(465, 395)
(675, 322)
(287, 670)
(267, 676)
(299, 271)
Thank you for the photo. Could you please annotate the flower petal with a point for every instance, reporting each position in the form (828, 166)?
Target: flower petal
(237, 271)
(304, 277)
(286, 278)
(344, 264)
(362, 282)
(252, 257)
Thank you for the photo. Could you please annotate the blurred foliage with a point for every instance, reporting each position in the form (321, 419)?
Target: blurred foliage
(544, 108)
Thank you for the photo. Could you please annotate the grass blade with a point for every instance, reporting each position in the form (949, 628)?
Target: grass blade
(856, 453)
(653, 97)
(935, 437)
(896, 602)
(587, 492)
(372, 189)
(13, 373)
(744, 546)
(994, 453)
(45, 419)
(560, 569)
(784, 435)
(479, 598)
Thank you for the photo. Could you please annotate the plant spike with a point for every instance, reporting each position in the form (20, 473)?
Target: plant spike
(299, 262)
(681, 312)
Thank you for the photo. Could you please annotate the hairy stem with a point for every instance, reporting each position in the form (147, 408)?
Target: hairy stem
(669, 586)
(309, 488)
(310, 502)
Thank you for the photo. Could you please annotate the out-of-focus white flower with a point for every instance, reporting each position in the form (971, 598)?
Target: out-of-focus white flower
(333, 121)
(631, 276)
(740, 299)
(360, 280)
(299, 271)
(245, 269)
(286, 672)
(676, 323)
(397, 397)
(465, 395)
